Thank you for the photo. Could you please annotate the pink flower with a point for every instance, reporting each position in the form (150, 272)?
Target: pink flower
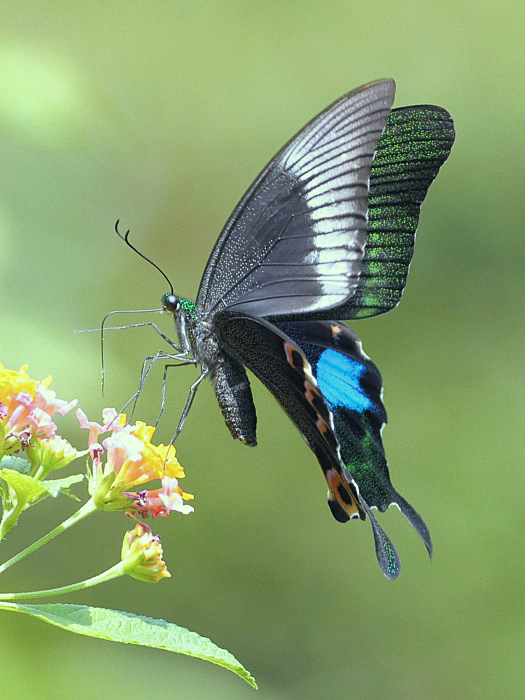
(42, 423)
(113, 421)
(159, 502)
(46, 399)
(23, 413)
(28, 405)
(94, 428)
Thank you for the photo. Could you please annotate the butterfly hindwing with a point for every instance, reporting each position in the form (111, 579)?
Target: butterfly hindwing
(351, 386)
(283, 367)
(294, 243)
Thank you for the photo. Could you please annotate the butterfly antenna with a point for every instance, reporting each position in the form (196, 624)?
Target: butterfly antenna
(125, 238)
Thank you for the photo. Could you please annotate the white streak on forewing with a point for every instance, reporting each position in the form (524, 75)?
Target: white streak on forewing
(346, 148)
(333, 256)
(342, 174)
(327, 300)
(337, 147)
(334, 210)
(337, 271)
(330, 191)
(354, 158)
(338, 240)
(324, 226)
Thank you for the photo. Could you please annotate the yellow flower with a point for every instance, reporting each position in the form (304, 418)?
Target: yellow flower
(142, 553)
(26, 409)
(163, 456)
(131, 459)
(12, 382)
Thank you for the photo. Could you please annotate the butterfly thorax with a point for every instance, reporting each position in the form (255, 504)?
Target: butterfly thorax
(232, 388)
(202, 341)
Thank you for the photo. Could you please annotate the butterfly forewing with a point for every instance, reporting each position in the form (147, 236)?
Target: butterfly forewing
(414, 145)
(295, 242)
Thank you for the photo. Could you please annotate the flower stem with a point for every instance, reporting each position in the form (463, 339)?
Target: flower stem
(87, 509)
(117, 570)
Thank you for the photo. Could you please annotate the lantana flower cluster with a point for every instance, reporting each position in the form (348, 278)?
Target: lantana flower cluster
(123, 460)
(27, 408)
(128, 458)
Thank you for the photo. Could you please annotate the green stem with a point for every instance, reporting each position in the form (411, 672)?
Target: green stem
(82, 513)
(118, 570)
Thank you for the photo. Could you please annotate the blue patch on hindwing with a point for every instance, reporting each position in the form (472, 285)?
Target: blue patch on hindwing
(339, 379)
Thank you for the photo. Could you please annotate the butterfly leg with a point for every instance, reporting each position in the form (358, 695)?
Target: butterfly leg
(147, 366)
(189, 401)
(182, 361)
(181, 350)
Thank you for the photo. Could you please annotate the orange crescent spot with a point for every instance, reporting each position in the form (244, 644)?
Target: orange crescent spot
(321, 425)
(336, 484)
(289, 350)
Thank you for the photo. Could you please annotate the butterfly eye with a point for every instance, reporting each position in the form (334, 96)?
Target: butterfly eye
(170, 302)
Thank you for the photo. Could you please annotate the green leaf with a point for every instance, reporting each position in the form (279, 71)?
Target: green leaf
(27, 488)
(17, 464)
(23, 491)
(56, 486)
(132, 629)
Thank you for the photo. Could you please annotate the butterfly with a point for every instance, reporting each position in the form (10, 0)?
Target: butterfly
(324, 234)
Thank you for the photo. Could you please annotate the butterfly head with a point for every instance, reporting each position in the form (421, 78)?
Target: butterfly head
(171, 303)
(178, 306)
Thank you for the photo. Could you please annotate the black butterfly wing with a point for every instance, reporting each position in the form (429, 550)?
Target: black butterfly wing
(283, 368)
(414, 145)
(294, 244)
(352, 388)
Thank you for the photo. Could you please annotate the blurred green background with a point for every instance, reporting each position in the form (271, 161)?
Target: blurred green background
(162, 113)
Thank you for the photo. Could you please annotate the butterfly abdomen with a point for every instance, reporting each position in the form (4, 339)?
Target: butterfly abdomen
(229, 380)
(234, 395)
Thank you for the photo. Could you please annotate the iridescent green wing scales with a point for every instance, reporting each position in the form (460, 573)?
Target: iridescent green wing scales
(414, 145)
